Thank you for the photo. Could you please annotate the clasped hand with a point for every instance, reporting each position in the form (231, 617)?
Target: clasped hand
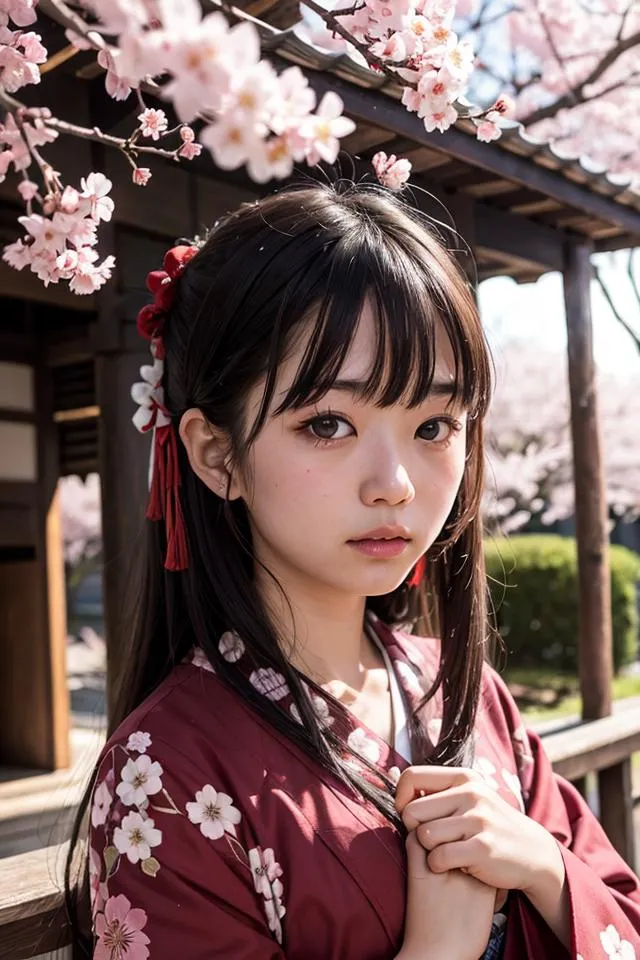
(464, 824)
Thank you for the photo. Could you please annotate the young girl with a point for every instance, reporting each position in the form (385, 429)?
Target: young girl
(290, 772)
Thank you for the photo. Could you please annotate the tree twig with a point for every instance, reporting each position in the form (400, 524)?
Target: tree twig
(635, 336)
(632, 276)
(576, 93)
(335, 26)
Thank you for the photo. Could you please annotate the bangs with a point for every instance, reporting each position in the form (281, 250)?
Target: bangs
(410, 301)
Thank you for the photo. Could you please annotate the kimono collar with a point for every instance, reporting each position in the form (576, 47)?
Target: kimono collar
(409, 664)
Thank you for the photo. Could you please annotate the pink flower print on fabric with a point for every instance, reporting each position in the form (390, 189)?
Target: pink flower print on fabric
(363, 745)
(119, 931)
(214, 812)
(199, 659)
(231, 646)
(266, 873)
(269, 682)
(409, 677)
(486, 770)
(140, 779)
(98, 890)
(139, 741)
(265, 870)
(136, 836)
(101, 802)
(512, 780)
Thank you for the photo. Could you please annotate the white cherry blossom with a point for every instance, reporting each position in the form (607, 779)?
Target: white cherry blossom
(614, 946)
(140, 779)
(139, 741)
(136, 836)
(512, 780)
(101, 803)
(363, 745)
(199, 659)
(214, 812)
(149, 396)
(231, 646)
(269, 682)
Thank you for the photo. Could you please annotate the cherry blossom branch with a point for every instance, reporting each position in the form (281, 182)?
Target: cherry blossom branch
(128, 146)
(632, 276)
(576, 95)
(479, 23)
(68, 18)
(335, 26)
(619, 317)
(624, 18)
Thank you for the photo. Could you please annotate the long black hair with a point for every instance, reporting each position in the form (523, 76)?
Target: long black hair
(312, 254)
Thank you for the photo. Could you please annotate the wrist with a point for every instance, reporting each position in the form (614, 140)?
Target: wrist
(549, 877)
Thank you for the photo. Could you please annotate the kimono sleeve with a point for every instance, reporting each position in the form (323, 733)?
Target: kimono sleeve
(604, 893)
(171, 870)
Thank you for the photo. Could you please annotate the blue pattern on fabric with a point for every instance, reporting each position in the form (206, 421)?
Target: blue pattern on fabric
(495, 947)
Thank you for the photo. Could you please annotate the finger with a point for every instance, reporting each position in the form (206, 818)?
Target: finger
(449, 803)
(417, 867)
(416, 781)
(459, 855)
(449, 830)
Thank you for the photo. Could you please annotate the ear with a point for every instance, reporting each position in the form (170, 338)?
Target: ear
(208, 450)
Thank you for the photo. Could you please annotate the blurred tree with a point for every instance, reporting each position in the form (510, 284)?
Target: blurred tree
(529, 476)
(573, 67)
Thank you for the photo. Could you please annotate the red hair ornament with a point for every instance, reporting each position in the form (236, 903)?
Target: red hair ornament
(164, 471)
(417, 576)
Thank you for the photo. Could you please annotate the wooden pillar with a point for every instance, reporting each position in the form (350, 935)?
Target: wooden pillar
(124, 461)
(34, 701)
(462, 208)
(595, 630)
(616, 808)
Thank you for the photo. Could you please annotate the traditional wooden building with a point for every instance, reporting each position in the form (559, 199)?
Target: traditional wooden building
(68, 362)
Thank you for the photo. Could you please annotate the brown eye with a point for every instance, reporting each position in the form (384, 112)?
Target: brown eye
(436, 430)
(327, 427)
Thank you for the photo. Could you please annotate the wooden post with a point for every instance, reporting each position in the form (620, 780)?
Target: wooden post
(616, 808)
(124, 462)
(595, 630)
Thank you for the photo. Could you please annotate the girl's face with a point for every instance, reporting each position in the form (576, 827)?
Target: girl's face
(345, 496)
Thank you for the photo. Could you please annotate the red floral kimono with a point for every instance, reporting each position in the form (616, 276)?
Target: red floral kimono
(212, 835)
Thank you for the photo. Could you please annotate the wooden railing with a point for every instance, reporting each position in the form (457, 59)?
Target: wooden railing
(32, 921)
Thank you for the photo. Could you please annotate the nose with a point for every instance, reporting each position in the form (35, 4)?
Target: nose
(387, 481)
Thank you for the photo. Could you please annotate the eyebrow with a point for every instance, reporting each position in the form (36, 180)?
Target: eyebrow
(439, 388)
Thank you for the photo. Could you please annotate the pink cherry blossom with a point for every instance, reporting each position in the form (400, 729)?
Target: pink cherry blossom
(231, 142)
(119, 931)
(153, 123)
(117, 87)
(17, 255)
(141, 176)
(391, 171)
(189, 150)
(22, 12)
(27, 189)
(19, 67)
(95, 188)
(487, 130)
(324, 129)
(440, 119)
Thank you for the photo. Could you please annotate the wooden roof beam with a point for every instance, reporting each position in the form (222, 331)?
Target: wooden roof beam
(364, 105)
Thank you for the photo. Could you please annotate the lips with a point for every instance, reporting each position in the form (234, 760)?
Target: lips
(395, 532)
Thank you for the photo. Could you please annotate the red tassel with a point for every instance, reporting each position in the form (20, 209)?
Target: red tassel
(164, 497)
(418, 573)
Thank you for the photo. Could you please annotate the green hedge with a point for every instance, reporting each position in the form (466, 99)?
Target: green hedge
(534, 589)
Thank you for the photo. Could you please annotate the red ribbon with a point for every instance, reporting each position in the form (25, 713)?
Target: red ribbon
(417, 576)
(164, 496)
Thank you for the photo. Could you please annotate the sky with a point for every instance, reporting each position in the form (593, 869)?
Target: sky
(535, 312)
